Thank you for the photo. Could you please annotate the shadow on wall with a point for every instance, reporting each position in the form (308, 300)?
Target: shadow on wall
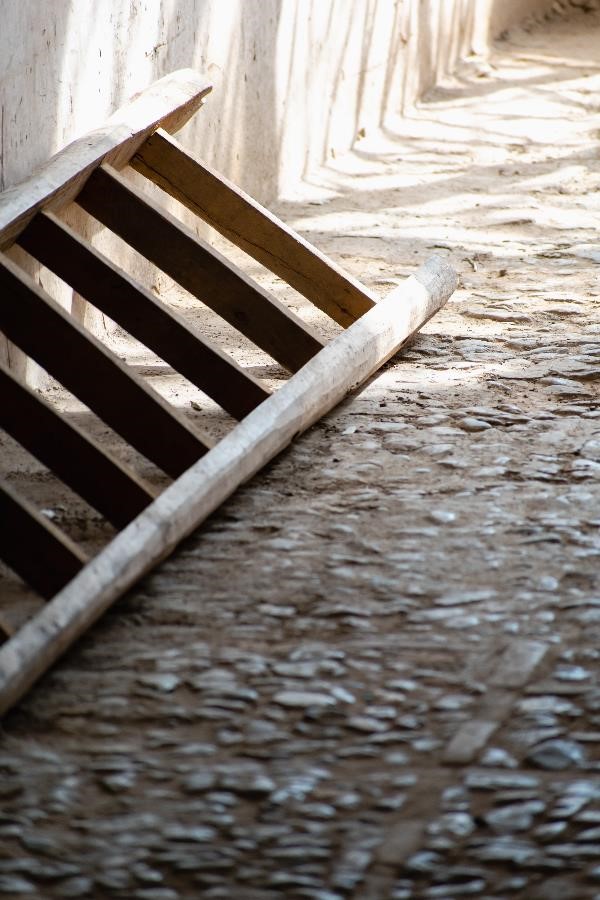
(65, 67)
(295, 81)
(32, 100)
(336, 70)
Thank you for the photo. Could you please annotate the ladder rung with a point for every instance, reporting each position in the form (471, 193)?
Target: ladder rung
(251, 227)
(198, 268)
(142, 315)
(43, 330)
(34, 548)
(73, 456)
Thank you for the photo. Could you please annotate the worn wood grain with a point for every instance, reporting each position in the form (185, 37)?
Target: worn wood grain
(251, 227)
(43, 330)
(104, 285)
(169, 102)
(199, 268)
(345, 363)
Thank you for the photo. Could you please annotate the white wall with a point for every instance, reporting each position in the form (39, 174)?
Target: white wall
(293, 80)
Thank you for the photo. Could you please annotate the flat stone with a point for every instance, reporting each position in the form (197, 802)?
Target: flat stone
(424, 862)
(160, 681)
(303, 669)
(498, 781)
(569, 805)
(459, 824)
(466, 889)
(146, 874)
(367, 724)
(303, 699)
(392, 802)
(571, 673)
(497, 756)
(581, 851)
(50, 871)
(199, 782)
(339, 692)
(277, 611)
(442, 516)
(589, 834)
(514, 817)
(505, 849)
(460, 598)
(452, 702)
(197, 834)
(497, 315)
(455, 798)
(549, 831)
(249, 782)
(472, 424)
(557, 754)
(114, 879)
(547, 706)
(14, 885)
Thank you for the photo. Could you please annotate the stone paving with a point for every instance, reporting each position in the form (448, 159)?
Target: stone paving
(374, 673)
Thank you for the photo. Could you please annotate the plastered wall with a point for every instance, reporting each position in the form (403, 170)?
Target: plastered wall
(294, 80)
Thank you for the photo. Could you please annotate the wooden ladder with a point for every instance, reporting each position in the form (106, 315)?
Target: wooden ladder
(92, 174)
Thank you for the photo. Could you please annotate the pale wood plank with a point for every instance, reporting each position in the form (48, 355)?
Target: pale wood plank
(340, 367)
(169, 102)
(251, 227)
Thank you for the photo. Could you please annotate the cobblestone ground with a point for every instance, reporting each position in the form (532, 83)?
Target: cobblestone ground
(374, 674)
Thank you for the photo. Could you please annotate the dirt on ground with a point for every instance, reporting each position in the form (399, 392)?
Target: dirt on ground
(374, 672)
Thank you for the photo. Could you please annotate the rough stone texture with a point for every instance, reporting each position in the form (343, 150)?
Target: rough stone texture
(267, 714)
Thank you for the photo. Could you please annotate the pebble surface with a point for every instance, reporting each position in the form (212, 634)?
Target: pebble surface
(374, 673)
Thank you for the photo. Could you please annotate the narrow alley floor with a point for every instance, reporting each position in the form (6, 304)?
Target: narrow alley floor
(374, 673)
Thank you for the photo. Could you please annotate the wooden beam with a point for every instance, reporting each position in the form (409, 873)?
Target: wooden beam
(345, 363)
(34, 548)
(110, 487)
(43, 330)
(142, 315)
(169, 102)
(250, 226)
(198, 268)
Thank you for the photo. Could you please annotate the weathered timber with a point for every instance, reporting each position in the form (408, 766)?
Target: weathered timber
(169, 102)
(104, 482)
(42, 329)
(104, 285)
(198, 268)
(34, 548)
(344, 364)
(251, 227)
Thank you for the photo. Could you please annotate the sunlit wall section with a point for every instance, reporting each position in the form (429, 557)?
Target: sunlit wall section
(295, 81)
